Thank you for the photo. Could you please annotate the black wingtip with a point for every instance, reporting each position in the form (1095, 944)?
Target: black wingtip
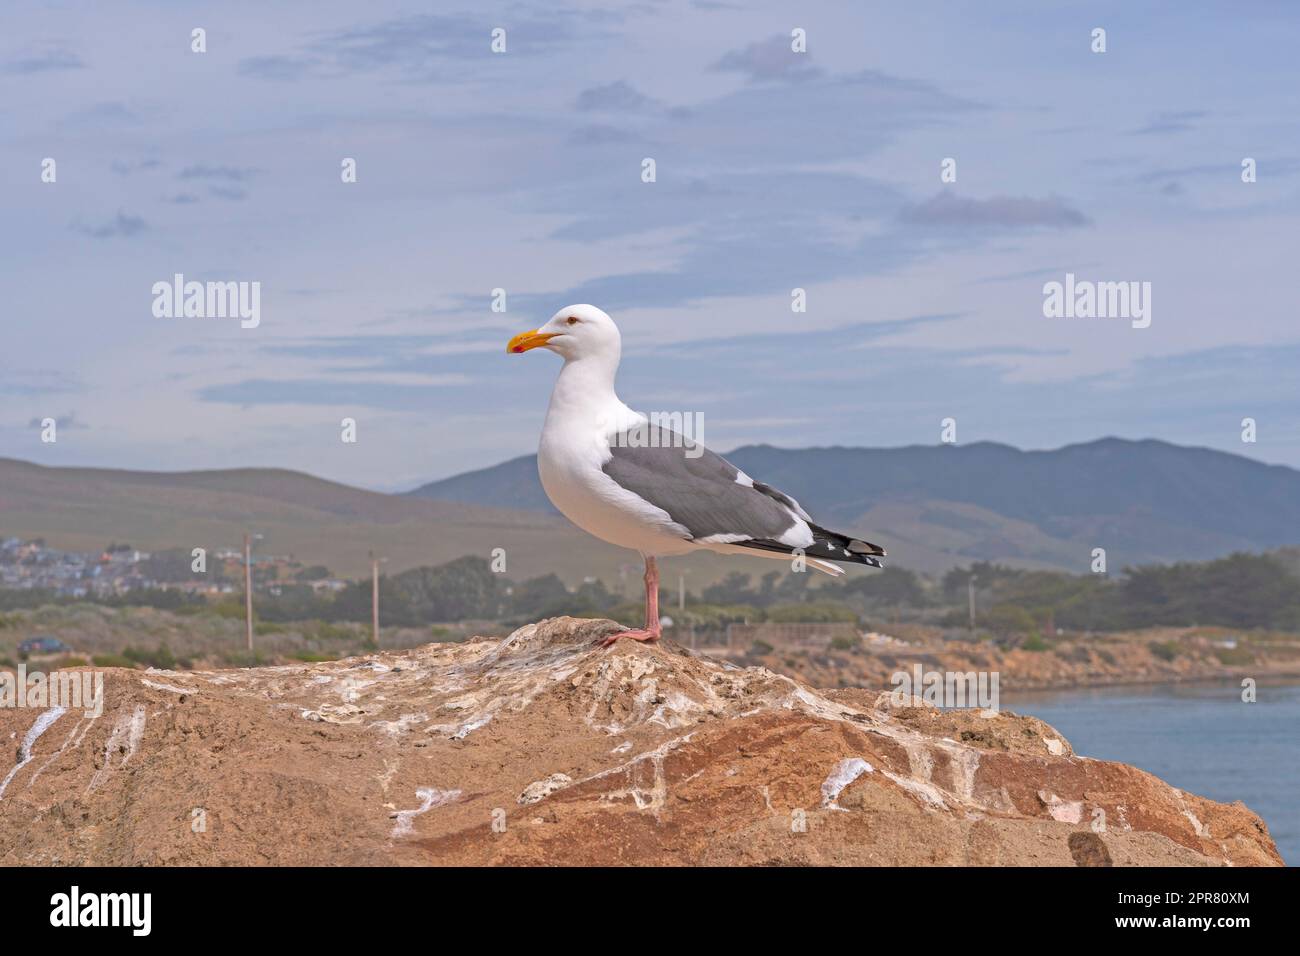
(866, 548)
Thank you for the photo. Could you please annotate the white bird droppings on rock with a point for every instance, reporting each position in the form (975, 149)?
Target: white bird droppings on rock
(42, 723)
(156, 685)
(432, 797)
(541, 789)
(845, 772)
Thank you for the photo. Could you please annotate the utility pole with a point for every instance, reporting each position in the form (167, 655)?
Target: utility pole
(248, 588)
(374, 599)
(970, 593)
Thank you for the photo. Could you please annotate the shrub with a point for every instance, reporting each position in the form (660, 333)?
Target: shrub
(823, 612)
(1234, 656)
(244, 658)
(313, 657)
(1166, 650)
(1007, 619)
(333, 632)
(231, 610)
(161, 658)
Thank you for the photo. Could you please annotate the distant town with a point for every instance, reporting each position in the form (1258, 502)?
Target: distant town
(120, 568)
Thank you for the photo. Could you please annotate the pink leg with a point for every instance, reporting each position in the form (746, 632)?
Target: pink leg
(652, 630)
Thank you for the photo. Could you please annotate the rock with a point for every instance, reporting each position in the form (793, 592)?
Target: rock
(542, 748)
(1088, 849)
(1067, 811)
(544, 788)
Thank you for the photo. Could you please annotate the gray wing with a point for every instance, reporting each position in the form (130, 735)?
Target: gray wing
(700, 490)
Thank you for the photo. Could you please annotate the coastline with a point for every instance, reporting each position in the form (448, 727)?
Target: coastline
(1154, 657)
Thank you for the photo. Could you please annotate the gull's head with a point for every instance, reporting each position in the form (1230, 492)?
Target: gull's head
(576, 331)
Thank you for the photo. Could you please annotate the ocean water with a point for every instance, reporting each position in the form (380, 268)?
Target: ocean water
(1201, 738)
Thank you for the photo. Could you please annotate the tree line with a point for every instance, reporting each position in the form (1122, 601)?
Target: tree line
(1240, 590)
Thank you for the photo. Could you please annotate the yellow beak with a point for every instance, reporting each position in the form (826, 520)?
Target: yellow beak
(529, 340)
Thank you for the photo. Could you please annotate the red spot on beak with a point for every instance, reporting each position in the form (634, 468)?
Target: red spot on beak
(528, 340)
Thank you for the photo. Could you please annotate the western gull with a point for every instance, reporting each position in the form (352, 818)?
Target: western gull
(634, 483)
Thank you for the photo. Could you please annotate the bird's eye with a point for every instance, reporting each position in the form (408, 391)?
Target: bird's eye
(572, 320)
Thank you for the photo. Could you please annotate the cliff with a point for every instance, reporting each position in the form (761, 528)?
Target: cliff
(544, 749)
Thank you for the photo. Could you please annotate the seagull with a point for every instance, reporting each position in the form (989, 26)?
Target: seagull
(634, 483)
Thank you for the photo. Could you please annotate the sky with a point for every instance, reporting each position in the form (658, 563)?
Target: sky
(774, 170)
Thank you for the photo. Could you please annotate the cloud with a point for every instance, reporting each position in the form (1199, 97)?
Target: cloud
(1204, 169)
(125, 167)
(232, 193)
(336, 390)
(230, 173)
(1177, 121)
(276, 67)
(767, 60)
(64, 422)
(120, 225)
(46, 61)
(736, 129)
(1027, 274)
(1229, 171)
(36, 381)
(417, 47)
(809, 343)
(739, 234)
(759, 211)
(601, 134)
(619, 96)
(946, 209)
(102, 116)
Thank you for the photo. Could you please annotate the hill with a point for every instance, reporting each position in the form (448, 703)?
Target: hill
(934, 507)
(543, 749)
(318, 521)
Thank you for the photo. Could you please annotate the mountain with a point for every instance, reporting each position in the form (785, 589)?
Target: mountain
(936, 506)
(513, 484)
(932, 508)
(544, 749)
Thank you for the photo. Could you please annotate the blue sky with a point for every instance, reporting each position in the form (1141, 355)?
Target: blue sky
(521, 170)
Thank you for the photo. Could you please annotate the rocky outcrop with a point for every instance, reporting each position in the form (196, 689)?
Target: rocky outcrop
(544, 749)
